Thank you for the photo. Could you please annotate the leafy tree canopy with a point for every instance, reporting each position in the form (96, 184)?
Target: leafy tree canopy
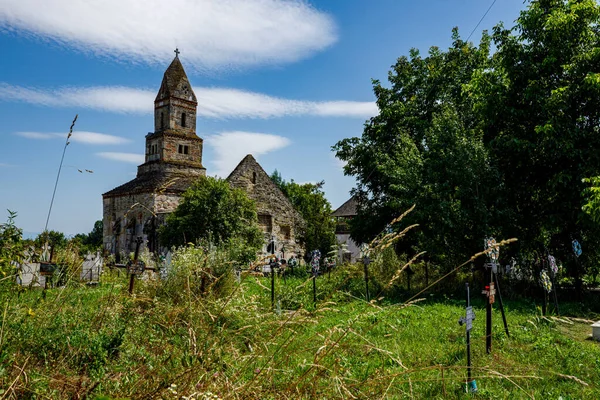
(214, 211)
(56, 239)
(309, 200)
(91, 241)
(488, 144)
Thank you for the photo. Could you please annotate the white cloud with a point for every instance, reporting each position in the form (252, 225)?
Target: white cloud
(218, 103)
(93, 138)
(212, 34)
(337, 163)
(36, 135)
(132, 158)
(231, 147)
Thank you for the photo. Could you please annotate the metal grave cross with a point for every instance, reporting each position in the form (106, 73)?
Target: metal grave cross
(468, 319)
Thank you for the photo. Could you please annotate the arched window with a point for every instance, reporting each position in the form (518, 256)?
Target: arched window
(183, 120)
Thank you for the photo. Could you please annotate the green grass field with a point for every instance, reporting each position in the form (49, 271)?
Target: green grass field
(98, 342)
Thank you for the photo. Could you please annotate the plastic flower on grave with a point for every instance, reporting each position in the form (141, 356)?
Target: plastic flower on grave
(516, 271)
(553, 266)
(545, 281)
(576, 247)
(364, 250)
(493, 249)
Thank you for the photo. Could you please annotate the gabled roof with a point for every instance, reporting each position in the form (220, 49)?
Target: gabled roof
(348, 209)
(250, 163)
(175, 83)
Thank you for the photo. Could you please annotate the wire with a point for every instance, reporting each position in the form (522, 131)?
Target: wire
(481, 20)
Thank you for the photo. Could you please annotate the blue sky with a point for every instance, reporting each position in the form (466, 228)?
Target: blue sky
(283, 80)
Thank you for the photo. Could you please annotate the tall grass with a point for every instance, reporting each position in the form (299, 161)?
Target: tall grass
(185, 337)
(199, 334)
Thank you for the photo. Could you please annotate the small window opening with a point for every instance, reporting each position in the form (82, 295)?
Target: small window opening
(183, 149)
(183, 120)
(286, 232)
(254, 177)
(162, 120)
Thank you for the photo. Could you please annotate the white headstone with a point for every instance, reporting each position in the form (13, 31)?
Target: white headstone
(596, 331)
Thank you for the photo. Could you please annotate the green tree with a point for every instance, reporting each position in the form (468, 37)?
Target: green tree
(56, 239)
(489, 144)
(425, 147)
(540, 105)
(92, 241)
(212, 210)
(309, 200)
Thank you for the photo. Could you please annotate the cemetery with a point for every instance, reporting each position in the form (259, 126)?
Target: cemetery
(464, 265)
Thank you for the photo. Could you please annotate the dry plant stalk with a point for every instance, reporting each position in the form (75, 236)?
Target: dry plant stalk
(399, 271)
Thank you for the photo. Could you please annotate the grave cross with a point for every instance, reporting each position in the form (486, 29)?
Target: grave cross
(468, 321)
(493, 253)
(136, 266)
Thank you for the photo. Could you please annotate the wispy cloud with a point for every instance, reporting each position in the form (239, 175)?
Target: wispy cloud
(93, 138)
(132, 158)
(5, 165)
(231, 147)
(212, 34)
(336, 162)
(217, 103)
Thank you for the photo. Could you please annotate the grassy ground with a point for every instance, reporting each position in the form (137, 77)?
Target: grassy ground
(98, 342)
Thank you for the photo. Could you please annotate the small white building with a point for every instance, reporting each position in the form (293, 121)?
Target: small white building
(343, 215)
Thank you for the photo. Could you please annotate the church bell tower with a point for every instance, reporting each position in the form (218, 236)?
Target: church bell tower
(174, 140)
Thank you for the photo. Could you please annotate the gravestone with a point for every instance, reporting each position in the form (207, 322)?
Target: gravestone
(29, 275)
(91, 267)
(596, 331)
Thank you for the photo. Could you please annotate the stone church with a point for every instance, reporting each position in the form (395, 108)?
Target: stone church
(173, 160)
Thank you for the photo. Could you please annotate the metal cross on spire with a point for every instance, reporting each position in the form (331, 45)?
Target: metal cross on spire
(176, 51)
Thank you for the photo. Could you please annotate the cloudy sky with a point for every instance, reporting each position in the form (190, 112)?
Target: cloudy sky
(283, 80)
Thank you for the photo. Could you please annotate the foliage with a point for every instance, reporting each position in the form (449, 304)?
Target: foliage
(488, 144)
(211, 210)
(592, 193)
(55, 239)
(11, 245)
(81, 342)
(425, 148)
(198, 270)
(92, 241)
(309, 200)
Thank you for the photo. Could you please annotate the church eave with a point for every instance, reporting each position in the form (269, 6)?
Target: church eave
(173, 133)
(192, 103)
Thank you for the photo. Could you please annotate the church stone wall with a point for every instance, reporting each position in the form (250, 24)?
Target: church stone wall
(285, 222)
(125, 218)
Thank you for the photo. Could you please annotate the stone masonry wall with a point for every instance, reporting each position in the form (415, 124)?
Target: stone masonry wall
(125, 217)
(270, 201)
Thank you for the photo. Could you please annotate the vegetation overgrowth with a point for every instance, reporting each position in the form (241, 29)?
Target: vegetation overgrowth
(196, 333)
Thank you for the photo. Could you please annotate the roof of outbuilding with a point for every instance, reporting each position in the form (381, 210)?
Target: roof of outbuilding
(348, 209)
